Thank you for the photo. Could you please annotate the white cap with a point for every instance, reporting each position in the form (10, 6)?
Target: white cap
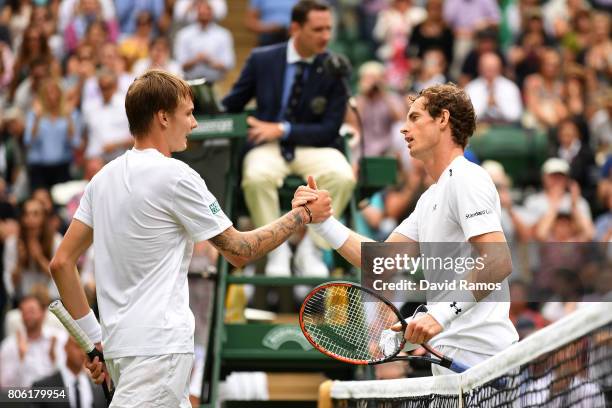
(555, 165)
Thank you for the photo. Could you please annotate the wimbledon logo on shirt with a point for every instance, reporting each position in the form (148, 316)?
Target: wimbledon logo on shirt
(477, 213)
(214, 207)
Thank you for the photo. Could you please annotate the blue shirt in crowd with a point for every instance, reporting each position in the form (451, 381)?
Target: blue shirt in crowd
(51, 145)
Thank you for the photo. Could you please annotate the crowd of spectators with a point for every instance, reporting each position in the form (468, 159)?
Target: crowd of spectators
(542, 66)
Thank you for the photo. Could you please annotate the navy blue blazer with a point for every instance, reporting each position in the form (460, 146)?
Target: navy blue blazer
(320, 112)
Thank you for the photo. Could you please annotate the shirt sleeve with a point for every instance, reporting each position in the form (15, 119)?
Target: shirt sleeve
(84, 213)
(197, 209)
(478, 209)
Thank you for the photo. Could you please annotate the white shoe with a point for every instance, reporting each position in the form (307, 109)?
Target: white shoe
(308, 259)
(279, 261)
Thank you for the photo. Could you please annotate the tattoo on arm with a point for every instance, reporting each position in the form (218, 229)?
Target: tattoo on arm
(254, 244)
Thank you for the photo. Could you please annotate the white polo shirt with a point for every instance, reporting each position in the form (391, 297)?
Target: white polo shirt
(462, 204)
(146, 210)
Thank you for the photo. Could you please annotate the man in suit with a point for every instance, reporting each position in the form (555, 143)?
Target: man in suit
(300, 109)
(82, 393)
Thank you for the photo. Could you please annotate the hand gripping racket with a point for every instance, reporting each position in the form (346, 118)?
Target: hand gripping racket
(349, 323)
(58, 309)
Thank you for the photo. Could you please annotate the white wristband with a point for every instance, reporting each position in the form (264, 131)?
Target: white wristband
(333, 231)
(446, 312)
(91, 327)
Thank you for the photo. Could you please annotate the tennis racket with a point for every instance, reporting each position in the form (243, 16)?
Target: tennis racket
(58, 309)
(346, 321)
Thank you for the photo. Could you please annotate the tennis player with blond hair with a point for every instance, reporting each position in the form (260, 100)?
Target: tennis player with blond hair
(143, 212)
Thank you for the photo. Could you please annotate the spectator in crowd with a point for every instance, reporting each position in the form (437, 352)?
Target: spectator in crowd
(16, 15)
(566, 290)
(185, 11)
(27, 255)
(111, 60)
(69, 8)
(128, 11)
(71, 376)
(52, 132)
(432, 33)
(487, 41)
(31, 355)
(43, 16)
(495, 98)
(515, 230)
(431, 70)
(34, 47)
(11, 155)
(270, 20)
(159, 57)
(106, 124)
(300, 109)
(7, 59)
(96, 36)
(600, 124)
(30, 87)
(524, 55)
(204, 48)
(379, 109)
(562, 233)
(393, 30)
(556, 189)
(596, 279)
(8, 227)
(53, 220)
(136, 46)
(597, 57)
(87, 13)
(558, 15)
(466, 18)
(524, 318)
(543, 93)
(578, 36)
(577, 153)
(603, 223)
(575, 93)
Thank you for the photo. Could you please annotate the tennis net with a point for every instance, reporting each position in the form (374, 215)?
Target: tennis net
(566, 364)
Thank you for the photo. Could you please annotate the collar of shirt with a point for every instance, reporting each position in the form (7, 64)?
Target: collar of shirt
(569, 153)
(206, 28)
(293, 56)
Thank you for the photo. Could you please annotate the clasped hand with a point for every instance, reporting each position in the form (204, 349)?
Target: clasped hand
(318, 201)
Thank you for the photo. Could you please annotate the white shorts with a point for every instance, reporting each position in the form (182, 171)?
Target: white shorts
(151, 381)
(466, 357)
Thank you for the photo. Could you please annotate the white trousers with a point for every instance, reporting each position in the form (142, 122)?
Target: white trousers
(265, 169)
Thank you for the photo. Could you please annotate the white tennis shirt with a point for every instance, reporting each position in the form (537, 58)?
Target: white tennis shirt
(462, 204)
(146, 211)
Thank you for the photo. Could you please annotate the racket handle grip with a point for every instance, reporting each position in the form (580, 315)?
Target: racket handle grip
(107, 393)
(457, 367)
(95, 353)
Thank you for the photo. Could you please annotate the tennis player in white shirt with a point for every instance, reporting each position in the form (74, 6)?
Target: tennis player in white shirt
(143, 211)
(461, 206)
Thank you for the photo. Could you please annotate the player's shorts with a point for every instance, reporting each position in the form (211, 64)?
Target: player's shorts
(151, 381)
(466, 357)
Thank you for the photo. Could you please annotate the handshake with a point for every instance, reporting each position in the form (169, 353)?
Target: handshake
(316, 203)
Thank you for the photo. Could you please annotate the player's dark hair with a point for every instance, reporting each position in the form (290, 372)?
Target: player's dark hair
(153, 91)
(299, 13)
(457, 102)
